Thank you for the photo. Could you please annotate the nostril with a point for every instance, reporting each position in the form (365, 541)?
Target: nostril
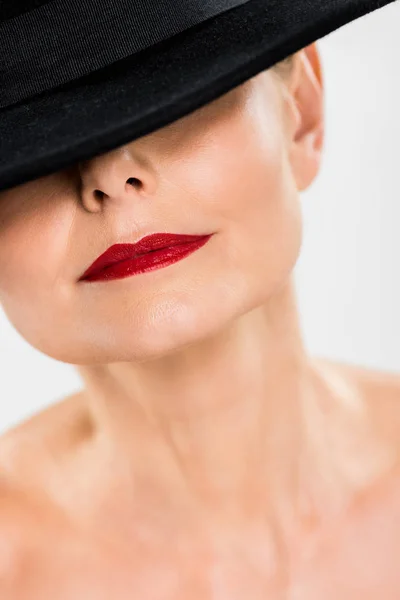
(99, 195)
(134, 181)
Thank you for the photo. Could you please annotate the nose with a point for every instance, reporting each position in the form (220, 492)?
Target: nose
(115, 178)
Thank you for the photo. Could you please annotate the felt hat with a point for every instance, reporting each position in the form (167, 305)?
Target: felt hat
(81, 77)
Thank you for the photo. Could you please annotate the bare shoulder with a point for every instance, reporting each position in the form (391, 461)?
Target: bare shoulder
(28, 447)
(374, 382)
(29, 529)
(15, 526)
(379, 389)
(29, 453)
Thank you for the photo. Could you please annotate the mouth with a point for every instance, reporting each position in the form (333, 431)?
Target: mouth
(150, 253)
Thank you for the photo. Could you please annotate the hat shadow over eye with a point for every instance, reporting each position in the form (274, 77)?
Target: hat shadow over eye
(83, 77)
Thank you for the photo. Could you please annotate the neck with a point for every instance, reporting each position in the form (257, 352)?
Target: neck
(230, 422)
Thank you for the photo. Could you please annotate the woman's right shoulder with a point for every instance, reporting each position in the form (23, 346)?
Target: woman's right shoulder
(28, 447)
(14, 528)
(24, 527)
(28, 452)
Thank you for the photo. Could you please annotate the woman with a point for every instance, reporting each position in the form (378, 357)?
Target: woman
(207, 455)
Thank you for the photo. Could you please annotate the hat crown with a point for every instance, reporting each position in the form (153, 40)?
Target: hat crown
(14, 8)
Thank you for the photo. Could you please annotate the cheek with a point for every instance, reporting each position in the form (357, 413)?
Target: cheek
(258, 208)
(32, 264)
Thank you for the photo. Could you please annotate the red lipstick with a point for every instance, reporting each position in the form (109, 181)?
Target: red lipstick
(152, 252)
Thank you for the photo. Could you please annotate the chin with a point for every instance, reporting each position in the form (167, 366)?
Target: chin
(159, 330)
(179, 330)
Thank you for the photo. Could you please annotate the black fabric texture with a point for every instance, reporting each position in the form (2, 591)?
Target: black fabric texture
(12, 8)
(140, 94)
(83, 36)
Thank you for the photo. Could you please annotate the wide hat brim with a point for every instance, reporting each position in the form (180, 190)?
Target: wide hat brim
(150, 89)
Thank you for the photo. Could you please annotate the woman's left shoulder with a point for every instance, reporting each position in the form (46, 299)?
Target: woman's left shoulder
(374, 383)
(378, 390)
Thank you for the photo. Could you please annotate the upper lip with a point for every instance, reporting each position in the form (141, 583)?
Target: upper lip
(120, 252)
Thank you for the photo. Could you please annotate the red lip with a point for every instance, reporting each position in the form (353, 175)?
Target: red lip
(152, 252)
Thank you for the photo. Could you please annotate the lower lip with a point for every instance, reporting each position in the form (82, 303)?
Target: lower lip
(149, 261)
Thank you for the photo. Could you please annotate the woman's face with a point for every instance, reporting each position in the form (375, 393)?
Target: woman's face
(233, 169)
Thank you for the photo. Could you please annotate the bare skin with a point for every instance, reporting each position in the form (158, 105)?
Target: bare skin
(208, 455)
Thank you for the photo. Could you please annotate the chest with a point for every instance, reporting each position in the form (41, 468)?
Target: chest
(358, 560)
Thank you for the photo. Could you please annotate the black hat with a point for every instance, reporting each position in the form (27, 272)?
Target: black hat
(82, 77)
